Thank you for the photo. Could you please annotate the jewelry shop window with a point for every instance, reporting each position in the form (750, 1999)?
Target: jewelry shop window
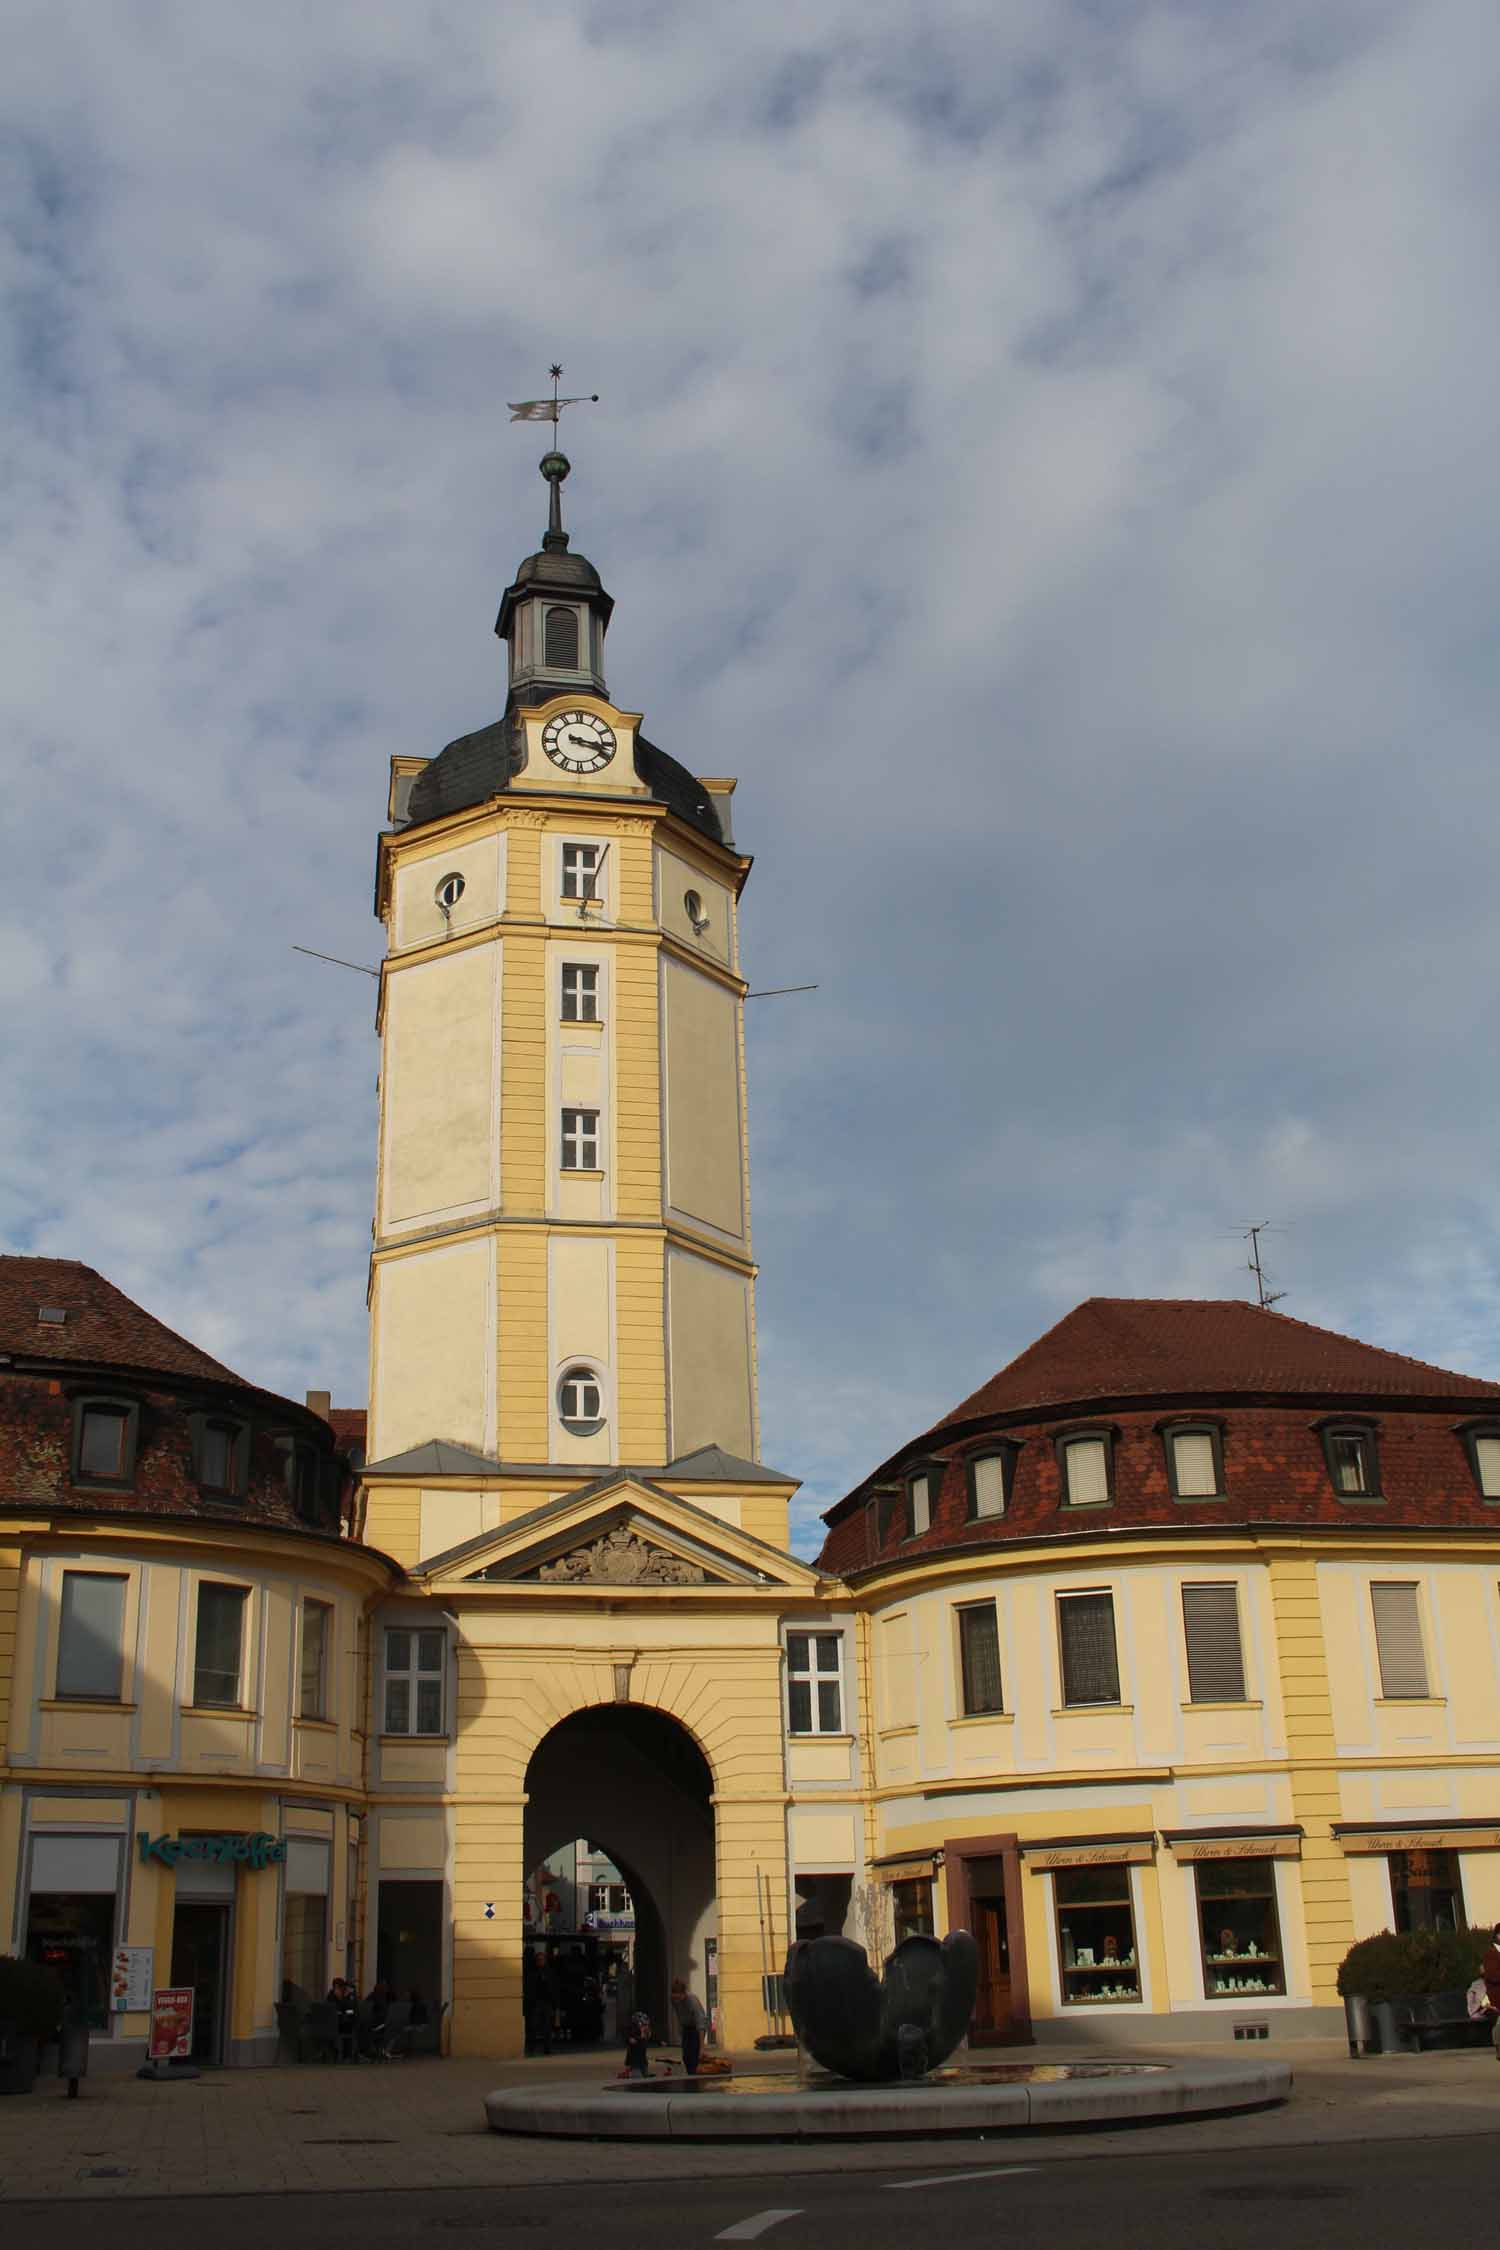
(1238, 1927)
(1427, 1891)
(1096, 1936)
(911, 1907)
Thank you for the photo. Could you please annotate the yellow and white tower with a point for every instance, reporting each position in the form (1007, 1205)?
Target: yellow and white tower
(563, 1447)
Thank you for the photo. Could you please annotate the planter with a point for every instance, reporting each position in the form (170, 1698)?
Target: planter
(1358, 2024)
(18, 2061)
(1388, 2016)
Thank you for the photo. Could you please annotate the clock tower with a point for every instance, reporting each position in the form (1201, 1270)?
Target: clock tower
(561, 1276)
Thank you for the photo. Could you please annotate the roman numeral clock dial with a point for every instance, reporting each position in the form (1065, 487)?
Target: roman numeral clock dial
(578, 741)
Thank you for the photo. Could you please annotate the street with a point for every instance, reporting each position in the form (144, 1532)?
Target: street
(1322, 2198)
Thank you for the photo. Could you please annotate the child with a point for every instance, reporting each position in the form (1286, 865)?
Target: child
(637, 2035)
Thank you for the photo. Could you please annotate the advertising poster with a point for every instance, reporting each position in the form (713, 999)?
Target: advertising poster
(130, 1978)
(172, 2024)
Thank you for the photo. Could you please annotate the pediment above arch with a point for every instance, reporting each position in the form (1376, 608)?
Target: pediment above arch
(618, 1534)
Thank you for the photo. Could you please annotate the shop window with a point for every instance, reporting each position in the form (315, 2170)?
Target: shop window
(1096, 1936)
(1398, 1639)
(415, 1661)
(304, 1938)
(1195, 1461)
(814, 1683)
(1238, 1929)
(312, 1682)
(989, 1479)
(979, 1657)
(221, 1451)
(1215, 1659)
(218, 1650)
(1427, 1891)
(104, 1442)
(1087, 1469)
(73, 1935)
(91, 1635)
(1086, 1641)
(911, 1907)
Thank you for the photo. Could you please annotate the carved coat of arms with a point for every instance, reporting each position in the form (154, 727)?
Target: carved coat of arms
(622, 1558)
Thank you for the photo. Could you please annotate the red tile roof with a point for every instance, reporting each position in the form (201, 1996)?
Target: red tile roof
(103, 1325)
(349, 1424)
(1131, 1347)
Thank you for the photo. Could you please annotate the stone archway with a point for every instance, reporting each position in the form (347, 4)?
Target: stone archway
(633, 1778)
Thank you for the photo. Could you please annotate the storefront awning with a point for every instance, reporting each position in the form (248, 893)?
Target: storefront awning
(1046, 1852)
(897, 1867)
(1413, 1836)
(1233, 1843)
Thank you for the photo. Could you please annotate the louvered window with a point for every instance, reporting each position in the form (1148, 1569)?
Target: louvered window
(560, 638)
(1398, 1638)
(1086, 1637)
(1086, 1463)
(1216, 1664)
(979, 1655)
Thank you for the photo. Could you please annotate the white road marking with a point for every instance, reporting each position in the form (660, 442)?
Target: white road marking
(951, 2179)
(746, 2230)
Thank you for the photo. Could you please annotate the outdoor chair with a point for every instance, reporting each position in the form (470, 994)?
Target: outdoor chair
(397, 2028)
(320, 2029)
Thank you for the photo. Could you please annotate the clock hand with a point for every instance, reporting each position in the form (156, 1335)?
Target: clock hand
(583, 741)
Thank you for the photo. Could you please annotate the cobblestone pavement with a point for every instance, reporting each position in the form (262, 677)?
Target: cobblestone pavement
(421, 2124)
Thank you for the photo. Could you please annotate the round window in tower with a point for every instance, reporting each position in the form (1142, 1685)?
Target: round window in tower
(449, 891)
(580, 1403)
(692, 907)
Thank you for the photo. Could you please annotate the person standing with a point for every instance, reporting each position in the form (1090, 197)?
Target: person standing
(692, 2022)
(1489, 1969)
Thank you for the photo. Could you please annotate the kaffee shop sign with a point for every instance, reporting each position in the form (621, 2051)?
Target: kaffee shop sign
(254, 1852)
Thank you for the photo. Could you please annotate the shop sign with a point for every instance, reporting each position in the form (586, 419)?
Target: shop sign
(598, 1921)
(1236, 1847)
(1423, 1840)
(1134, 1853)
(172, 2023)
(130, 1978)
(254, 1852)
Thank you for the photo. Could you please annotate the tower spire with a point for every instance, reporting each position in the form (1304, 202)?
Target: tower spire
(555, 467)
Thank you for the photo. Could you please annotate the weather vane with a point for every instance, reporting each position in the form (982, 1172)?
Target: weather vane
(549, 409)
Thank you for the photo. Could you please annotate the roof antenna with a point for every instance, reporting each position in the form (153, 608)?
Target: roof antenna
(1265, 1296)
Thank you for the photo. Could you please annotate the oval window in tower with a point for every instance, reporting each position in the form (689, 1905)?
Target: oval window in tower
(580, 1402)
(449, 891)
(692, 907)
(560, 638)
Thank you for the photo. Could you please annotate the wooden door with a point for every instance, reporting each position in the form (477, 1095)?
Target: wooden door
(992, 2006)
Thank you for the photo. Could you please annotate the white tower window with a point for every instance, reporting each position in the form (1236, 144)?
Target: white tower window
(580, 992)
(449, 891)
(580, 1401)
(580, 868)
(580, 1140)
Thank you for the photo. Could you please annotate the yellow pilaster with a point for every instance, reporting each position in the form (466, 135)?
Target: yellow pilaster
(1308, 1704)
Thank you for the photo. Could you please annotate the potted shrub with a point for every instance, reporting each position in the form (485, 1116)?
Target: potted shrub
(31, 2006)
(1411, 1967)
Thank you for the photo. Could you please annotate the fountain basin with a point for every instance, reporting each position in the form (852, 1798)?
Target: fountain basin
(968, 2099)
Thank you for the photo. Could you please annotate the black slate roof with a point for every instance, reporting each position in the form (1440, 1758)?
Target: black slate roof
(481, 765)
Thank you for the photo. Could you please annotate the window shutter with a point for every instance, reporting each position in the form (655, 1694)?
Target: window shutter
(1193, 1462)
(1216, 1665)
(560, 638)
(979, 1653)
(921, 1504)
(1487, 1461)
(1398, 1639)
(989, 1485)
(1088, 1471)
(1090, 1667)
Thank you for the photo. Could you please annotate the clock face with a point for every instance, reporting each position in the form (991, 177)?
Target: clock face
(578, 742)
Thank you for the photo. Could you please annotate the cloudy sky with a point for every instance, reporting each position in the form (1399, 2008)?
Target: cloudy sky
(1046, 450)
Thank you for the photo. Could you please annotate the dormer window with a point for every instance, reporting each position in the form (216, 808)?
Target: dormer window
(1195, 1460)
(1352, 1455)
(221, 1448)
(989, 1479)
(1482, 1444)
(1086, 1459)
(560, 638)
(923, 1484)
(51, 1316)
(104, 1441)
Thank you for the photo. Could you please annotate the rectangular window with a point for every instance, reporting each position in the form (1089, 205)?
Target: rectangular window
(1086, 1636)
(104, 1443)
(920, 1489)
(1195, 1468)
(1487, 1466)
(1096, 1936)
(1087, 1463)
(580, 992)
(814, 1683)
(219, 1649)
(1238, 1929)
(1215, 1661)
(911, 1907)
(1398, 1638)
(987, 1484)
(1426, 1891)
(580, 868)
(1349, 1453)
(415, 1661)
(312, 1685)
(580, 1140)
(91, 1635)
(979, 1657)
